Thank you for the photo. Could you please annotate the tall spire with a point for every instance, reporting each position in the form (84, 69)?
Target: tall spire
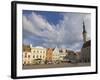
(84, 27)
(84, 33)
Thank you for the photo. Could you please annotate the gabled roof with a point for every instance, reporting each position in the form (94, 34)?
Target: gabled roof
(56, 50)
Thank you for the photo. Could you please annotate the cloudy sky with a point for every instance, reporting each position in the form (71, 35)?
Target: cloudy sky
(55, 29)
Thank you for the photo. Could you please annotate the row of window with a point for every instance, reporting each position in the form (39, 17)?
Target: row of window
(26, 55)
(38, 51)
(38, 56)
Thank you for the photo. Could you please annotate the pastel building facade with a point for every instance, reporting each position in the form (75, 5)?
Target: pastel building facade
(49, 54)
(33, 55)
(62, 54)
(55, 55)
(27, 58)
(38, 53)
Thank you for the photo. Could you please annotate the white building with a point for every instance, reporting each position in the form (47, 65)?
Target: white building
(55, 55)
(62, 54)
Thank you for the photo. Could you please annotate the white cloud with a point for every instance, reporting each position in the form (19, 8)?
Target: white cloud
(68, 33)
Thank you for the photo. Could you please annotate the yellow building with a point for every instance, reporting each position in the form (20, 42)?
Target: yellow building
(27, 57)
(38, 54)
(33, 55)
(26, 54)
